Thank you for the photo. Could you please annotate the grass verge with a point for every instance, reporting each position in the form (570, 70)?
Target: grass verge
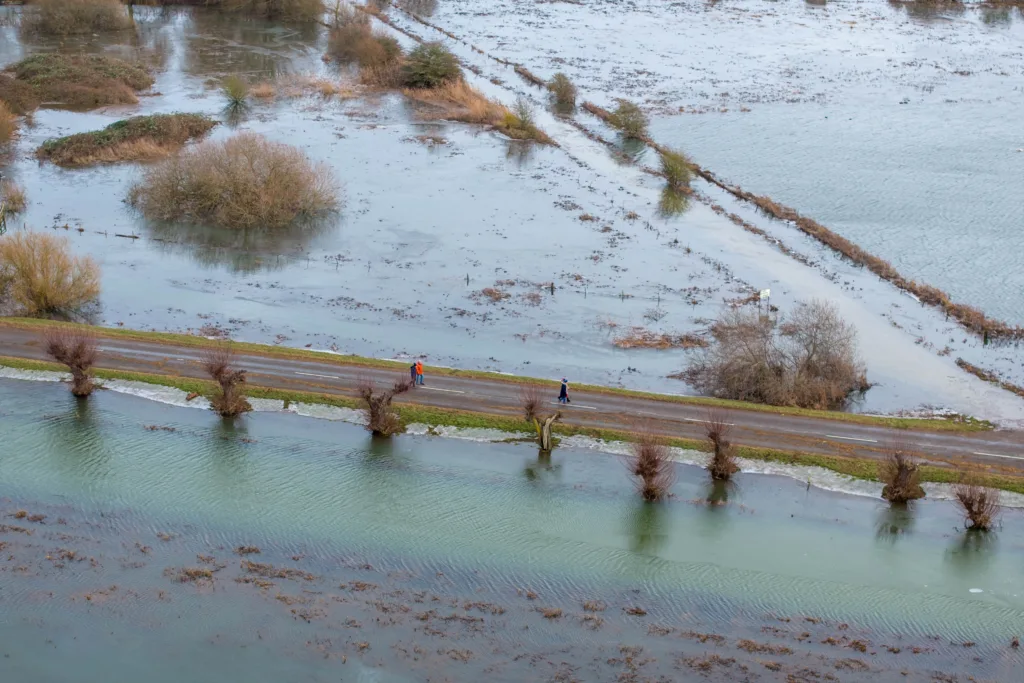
(858, 468)
(136, 139)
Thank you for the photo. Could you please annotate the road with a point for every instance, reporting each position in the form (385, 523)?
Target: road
(1001, 450)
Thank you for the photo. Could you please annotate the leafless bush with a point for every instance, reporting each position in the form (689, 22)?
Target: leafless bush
(530, 398)
(899, 473)
(649, 462)
(381, 421)
(242, 182)
(77, 350)
(722, 463)
(979, 504)
(809, 360)
(229, 400)
(40, 275)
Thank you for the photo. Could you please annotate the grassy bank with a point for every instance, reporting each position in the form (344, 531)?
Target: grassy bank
(71, 81)
(191, 341)
(859, 468)
(139, 138)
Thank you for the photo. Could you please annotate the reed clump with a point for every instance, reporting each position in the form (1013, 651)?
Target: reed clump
(69, 17)
(8, 123)
(563, 90)
(677, 168)
(229, 399)
(459, 101)
(39, 276)
(12, 196)
(629, 118)
(73, 81)
(245, 181)
(139, 138)
(236, 90)
(722, 463)
(75, 348)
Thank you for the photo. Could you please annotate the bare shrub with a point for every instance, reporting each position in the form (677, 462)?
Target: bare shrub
(243, 182)
(229, 400)
(722, 463)
(66, 17)
(563, 90)
(381, 420)
(75, 348)
(530, 399)
(431, 65)
(809, 360)
(649, 462)
(40, 276)
(677, 169)
(979, 504)
(12, 196)
(8, 123)
(630, 119)
(899, 472)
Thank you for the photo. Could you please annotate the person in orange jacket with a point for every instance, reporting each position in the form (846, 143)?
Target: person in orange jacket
(419, 372)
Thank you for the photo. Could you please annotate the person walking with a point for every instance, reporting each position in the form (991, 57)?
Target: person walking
(563, 392)
(419, 372)
(412, 373)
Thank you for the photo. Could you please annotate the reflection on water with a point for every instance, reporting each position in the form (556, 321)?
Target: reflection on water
(647, 528)
(218, 44)
(541, 469)
(423, 8)
(672, 203)
(970, 553)
(929, 10)
(894, 522)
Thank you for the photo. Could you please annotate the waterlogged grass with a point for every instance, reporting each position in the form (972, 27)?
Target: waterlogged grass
(958, 424)
(72, 81)
(135, 139)
(858, 468)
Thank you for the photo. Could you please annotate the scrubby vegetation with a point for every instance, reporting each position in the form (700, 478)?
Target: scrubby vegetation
(39, 276)
(809, 360)
(67, 17)
(431, 65)
(352, 41)
(563, 90)
(243, 182)
(900, 474)
(304, 11)
(8, 123)
(75, 348)
(979, 505)
(459, 101)
(135, 139)
(630, 119)
(235, 89)
(12, 196)
(380, 419)
(229, 399)
(722, 463)
(649, 462)
(677, 169)
(72, 81)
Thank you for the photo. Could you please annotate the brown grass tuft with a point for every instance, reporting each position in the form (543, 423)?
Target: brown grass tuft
(979, 505)
(899, 473)
(66, 17)
(229, 401)
(722, 463)
(8, 123)
(243, 182)
(40, 276)
(649, 462)
(12, 196)
(642, 338)
(381, 420)
(458, 101)
(139, 138)
(75, 348)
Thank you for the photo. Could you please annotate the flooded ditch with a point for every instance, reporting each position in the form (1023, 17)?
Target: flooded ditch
(284, 546)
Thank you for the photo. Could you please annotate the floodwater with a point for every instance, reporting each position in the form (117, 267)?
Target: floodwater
(426, 227)
(426, 558)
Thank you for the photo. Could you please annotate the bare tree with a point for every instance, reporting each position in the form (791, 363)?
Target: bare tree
(979, 504)
(544, 431)
(230, 399)
(530, 399)
(77, 350)
(809, 360)
(381, 421)
(649, 462)
(722, 463)
(899, 472)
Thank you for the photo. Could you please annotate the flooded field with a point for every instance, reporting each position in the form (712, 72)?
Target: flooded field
(435, 213)
(290, 547)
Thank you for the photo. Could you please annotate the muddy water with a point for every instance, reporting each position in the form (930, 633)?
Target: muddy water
(426, 227)
(401, 554)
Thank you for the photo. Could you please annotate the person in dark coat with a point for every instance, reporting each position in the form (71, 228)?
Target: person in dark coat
(563, 392)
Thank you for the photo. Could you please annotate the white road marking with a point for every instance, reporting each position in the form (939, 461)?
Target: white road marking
(693, 419)
(573, 405)
(313, 374)
(996, 455)
(450, 391)
(850, 438)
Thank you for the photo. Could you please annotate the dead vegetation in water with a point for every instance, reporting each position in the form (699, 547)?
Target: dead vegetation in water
(8, 123)
(978, 504)
(650, 463)
(269, 571)
(76, 349)
(140, 138)
(722, 462)
(990, 377)
(381, 420)
(247, 550)
(459, 101)
(197, 575)
(808, 360)
(229, 399)
(642, 338)
(246, 181)
(763, 648)
(563, 91)
(73, 81)
(899, 471)
(39, 276)
(68, 17)
(12, 197)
